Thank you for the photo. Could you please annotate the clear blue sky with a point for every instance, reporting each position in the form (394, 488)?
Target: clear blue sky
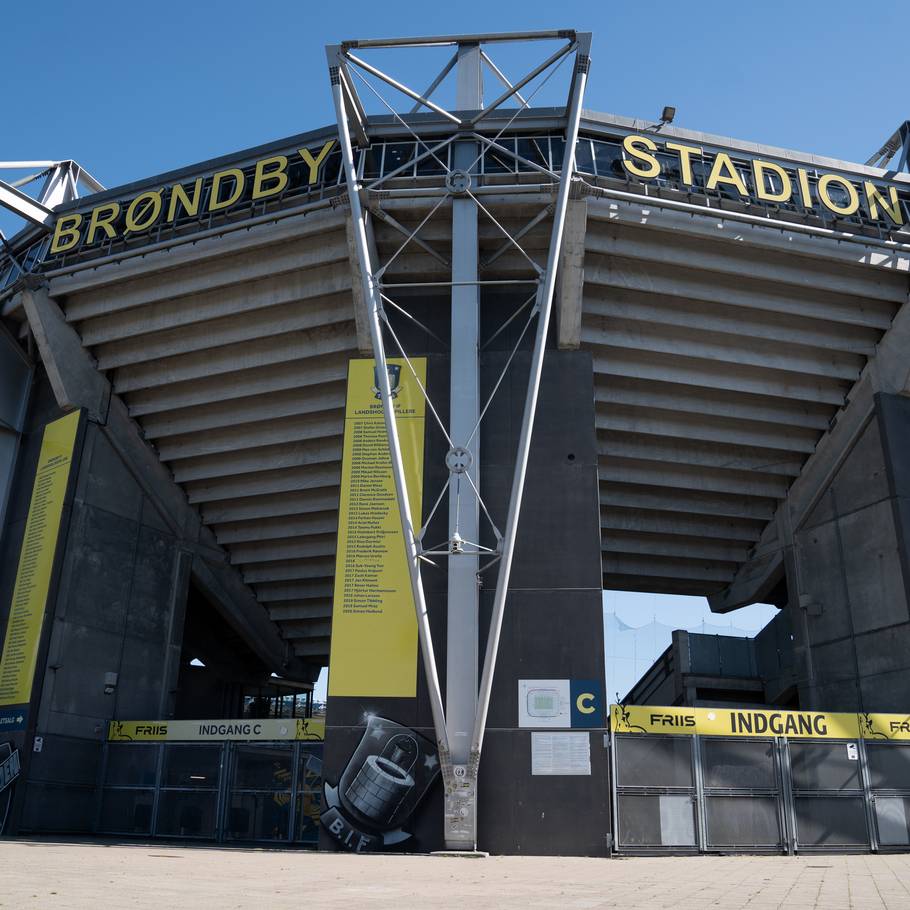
(130, 90)
(134, 89)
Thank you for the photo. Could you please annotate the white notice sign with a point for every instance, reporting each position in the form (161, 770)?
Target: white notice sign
(560, 753)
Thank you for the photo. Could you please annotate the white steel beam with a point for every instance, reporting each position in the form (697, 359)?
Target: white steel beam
(24, 206)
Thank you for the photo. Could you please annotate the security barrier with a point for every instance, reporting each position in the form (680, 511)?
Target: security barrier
(701, 780)
(263, 792)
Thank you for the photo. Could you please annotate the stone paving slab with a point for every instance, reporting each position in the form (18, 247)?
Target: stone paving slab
(91, 875)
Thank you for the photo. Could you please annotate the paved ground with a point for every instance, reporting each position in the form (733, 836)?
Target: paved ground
(68, 875)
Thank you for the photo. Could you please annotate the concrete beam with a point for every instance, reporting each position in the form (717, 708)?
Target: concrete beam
(281, 377)
(322, 425)
(724, 348)
(737, 291)
(302, 611)
(277, 528)
(269, 576)
(688, 501)
(640, 306)
(571, 276)
(236, 358)
(631, 363)
(361, 316)
(711, 403)
(667, 226)
(72, 374)
(299, 502)
(287, 480)
(293, 315)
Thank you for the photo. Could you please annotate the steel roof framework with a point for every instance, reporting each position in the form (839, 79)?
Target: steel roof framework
(460, 724)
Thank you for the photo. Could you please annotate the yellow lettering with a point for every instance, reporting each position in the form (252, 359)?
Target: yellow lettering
(103, 217)
(143, 211)
(803, 180)
(851, 207)
(762, 184)
(316, 163)
(180, 197)
(276, 176)
(215, 202)
(722, 162)
(631, 145)
(685, 159)
(66, 233)
(874, 198)
(583, 703)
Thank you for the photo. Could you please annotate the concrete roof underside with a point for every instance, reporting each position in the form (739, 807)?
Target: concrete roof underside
(722, 354)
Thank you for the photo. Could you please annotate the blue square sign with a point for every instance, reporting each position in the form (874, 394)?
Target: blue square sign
(587, 703)
(13, 719)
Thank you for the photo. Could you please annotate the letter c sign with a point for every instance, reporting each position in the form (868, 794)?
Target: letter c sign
(586, 703)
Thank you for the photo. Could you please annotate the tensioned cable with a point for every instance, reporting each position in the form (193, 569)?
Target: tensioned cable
(413, 319)
(420, 385)
(439, 498)
(502, 375)
(508, 236)
(483, 506)
(414, 233)
(522, 107)
(507, 323)
(398, 117)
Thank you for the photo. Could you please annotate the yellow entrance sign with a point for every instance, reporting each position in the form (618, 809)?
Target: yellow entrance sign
(374, 630)
(885, 726)
(733, 722)
(36, 561)
(306, 729)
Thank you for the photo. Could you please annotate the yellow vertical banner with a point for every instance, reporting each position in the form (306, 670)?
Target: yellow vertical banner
(36, 561)
(374, 629)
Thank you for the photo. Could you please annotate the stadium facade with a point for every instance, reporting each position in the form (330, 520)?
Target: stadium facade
(401, 396)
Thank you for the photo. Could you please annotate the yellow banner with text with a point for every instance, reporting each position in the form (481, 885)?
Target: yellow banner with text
(374, 629)
(243, 729)
(733, 721)
(36, 561)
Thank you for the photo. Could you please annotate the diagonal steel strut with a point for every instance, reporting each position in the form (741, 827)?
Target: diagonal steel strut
(460, 760)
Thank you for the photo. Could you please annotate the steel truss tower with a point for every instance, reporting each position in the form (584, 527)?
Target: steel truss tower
(462, 195)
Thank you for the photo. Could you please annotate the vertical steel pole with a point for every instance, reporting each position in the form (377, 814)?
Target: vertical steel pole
(371, 294)
(545, 305)
(464, 509)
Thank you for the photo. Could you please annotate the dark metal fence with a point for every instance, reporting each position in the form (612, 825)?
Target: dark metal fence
(689, 793)
(818, 788)
(224, 791)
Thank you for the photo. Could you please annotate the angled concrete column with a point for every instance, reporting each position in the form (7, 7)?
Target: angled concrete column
(571, 276)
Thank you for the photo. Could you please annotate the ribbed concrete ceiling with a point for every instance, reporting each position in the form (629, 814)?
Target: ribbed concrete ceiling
(719, 364)
(232, 355)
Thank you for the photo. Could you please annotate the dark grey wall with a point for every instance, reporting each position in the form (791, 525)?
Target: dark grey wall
(853, 627)
(553, 625)
(117, 606)
(111, 612)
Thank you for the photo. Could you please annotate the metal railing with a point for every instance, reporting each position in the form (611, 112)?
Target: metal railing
(228, 791)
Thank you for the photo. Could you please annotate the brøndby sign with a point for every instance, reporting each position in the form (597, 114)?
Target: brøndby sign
(215, 193)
